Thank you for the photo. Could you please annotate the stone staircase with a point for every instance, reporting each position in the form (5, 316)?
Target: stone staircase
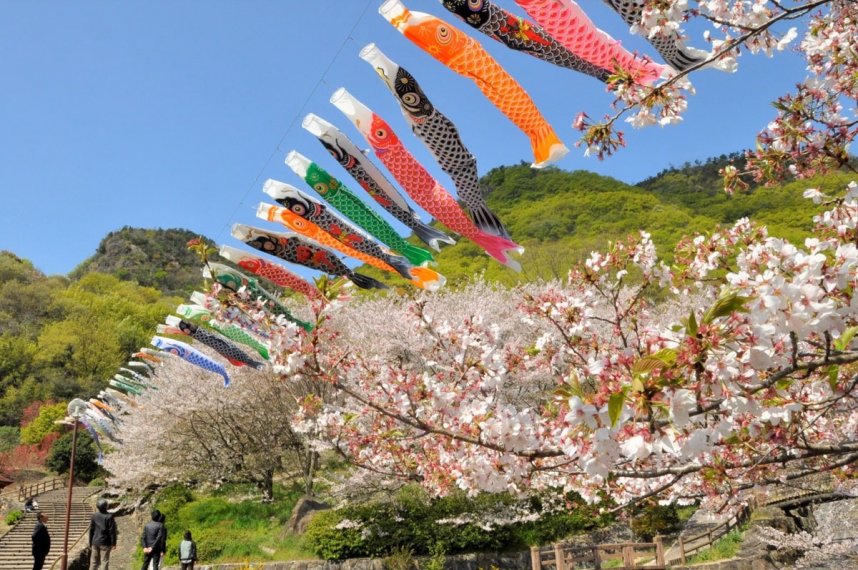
(16, 545)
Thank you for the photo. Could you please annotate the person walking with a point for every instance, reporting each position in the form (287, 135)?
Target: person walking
(41, 541)
(188, 552)
(163, 520)
(154, 540)
(102, 537)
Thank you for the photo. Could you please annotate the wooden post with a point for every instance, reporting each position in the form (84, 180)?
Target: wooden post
(535, 560)
(682, 550)
(659, 551)
(709, 537)
(597, 559)
(629, 556)
(558, 557)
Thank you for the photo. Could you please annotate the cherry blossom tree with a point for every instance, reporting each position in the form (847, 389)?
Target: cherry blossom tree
(734, 367)
(188, 428)
(813, 126)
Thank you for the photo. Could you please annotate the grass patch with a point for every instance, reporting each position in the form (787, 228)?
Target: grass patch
(685, 513)
(726, 547)
(230, 524)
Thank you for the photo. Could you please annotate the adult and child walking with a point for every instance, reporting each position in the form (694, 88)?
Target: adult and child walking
(103, 536)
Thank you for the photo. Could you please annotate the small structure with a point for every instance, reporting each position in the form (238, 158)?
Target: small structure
(5, 482)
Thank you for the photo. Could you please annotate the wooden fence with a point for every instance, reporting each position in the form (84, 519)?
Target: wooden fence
(26, 491)
(691, 545)
(620, 555)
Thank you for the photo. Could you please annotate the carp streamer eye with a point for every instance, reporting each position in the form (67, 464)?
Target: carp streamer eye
(444, 35)
(475, 5)
(411, 99)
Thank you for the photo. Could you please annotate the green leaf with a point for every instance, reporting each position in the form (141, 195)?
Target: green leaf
(726, 305)
(691, 325)
(833, 373)
(637, 384)
(615, 407)
(666, 355)
(842, 343)
(647, 364)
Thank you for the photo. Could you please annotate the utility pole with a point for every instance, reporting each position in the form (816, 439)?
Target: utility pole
(65, 561)
(75, 410)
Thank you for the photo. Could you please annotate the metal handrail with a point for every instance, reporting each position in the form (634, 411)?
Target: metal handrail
(71, 548)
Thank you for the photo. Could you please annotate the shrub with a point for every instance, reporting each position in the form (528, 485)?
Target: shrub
(9, 436)
(43, 424)
(86, 465)
(653, 519)
(13, 517)
(332, 543)
(172, 498)
(411, 522)
(98, 482)
(400, 559)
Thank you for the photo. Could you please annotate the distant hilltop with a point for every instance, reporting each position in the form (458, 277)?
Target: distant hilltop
(152, 257)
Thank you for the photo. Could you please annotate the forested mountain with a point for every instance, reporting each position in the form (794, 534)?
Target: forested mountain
(61, 339)
(64, 337)
(153, 258)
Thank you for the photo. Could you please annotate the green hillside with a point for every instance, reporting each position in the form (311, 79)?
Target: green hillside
(61, 339)
(559, 216)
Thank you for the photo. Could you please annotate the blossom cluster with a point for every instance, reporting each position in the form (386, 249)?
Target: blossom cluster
(814, 126)
(631, 378)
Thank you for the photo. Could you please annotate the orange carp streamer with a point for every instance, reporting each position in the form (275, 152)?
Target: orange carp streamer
(422, 277)
(466, 56)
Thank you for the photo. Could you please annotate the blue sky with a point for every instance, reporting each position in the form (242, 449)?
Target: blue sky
(172, 114)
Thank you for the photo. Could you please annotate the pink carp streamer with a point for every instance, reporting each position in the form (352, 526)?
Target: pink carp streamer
(417, 182)
(566, 22)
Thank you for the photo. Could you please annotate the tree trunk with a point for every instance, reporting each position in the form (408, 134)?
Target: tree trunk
(310, 464)
(266, 486)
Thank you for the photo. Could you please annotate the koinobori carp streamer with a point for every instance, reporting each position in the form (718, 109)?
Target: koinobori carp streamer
(340, 197)
(235, 280)
(569, 25)
(219, 344)
(354, 244)
(190, 354)
(419, 184)
(200, 315)
(372, 180)
(295, 248)
(669, 46)
(466, 56)
(521, 35)
(274, 272)
(440, 136)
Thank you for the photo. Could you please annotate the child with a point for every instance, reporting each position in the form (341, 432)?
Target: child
(188, 552)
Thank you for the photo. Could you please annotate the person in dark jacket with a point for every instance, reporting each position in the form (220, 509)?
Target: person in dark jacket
(41, 541)
(154, 540)
(102, 537)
